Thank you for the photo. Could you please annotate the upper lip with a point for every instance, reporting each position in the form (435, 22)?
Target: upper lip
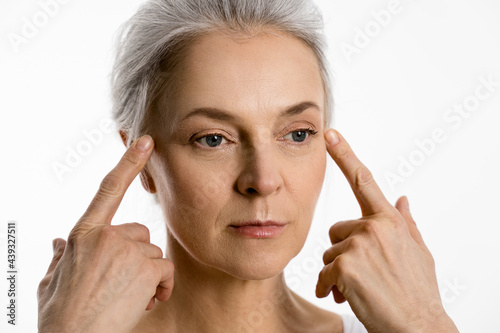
(268, 223)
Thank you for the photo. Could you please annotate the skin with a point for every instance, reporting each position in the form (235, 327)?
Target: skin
(256, 173)
(224, 281)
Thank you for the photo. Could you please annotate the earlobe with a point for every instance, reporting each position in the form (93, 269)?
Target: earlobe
(147, 181)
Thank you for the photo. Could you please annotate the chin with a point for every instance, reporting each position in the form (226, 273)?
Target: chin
(258, 271)
(265, 263)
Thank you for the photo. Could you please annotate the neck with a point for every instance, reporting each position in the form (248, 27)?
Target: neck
(205, 299)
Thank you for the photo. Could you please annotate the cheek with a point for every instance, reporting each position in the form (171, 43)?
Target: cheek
(305, 177)
(198, 198)
(196, 190)
(192, 193)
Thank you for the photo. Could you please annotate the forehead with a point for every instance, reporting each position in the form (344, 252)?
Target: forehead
(264, 73)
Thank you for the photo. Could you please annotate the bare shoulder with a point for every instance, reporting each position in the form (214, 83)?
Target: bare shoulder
(312, 318)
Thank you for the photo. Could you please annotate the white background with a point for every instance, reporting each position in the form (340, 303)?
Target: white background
(395, 90)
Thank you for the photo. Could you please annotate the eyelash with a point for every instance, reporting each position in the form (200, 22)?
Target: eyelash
(308, 130)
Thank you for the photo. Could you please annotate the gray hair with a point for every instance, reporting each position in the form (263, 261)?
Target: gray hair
(149, 45)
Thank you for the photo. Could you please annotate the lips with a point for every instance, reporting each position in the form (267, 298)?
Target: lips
(259, 229)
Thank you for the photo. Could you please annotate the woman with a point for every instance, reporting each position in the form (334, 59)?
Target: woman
(224, 107)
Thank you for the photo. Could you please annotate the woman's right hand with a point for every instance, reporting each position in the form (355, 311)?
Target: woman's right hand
(105, 276)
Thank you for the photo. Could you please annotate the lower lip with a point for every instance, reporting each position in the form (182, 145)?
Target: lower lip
(254, 231)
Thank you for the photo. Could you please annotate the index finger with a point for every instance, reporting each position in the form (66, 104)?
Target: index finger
(369, 196)
(114, 185)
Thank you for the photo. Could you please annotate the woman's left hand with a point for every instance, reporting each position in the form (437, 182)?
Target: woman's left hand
(379, 263)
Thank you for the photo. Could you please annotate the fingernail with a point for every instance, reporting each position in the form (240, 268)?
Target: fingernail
(144, 143)
(332, 137)
(407, 203)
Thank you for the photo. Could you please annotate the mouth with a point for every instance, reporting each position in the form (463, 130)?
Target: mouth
(259, 229)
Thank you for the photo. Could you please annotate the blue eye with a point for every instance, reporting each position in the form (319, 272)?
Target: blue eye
(300, 135)
(212, 140)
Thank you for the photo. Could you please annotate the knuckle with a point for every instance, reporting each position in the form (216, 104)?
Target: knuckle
(430, 258)
(111, 185)
(331, 235)
(394, 215)
(76, 235)
(356, 243)
(107, 235)
(169, 265)
(400, 225)
(344, 154)
(324, 274)
(339, 264)
(155, 270)
(130, 250)
(326, 257)
(332, 232)
(43, 285)
(343, 268)
(432, 261)
(151, 272)
(57, 256)
(130, 158)
(126, 252)
(40, 293)
(159, 252)
(141, 229)
(382, 232)
(372, 226)
(396, 221)
(363, 177)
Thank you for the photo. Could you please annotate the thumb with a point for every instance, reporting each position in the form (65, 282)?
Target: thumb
(403, 206)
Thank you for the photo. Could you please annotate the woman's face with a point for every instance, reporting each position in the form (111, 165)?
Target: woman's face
(242, 152)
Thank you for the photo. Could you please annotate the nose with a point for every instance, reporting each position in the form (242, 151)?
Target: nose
(260, 173)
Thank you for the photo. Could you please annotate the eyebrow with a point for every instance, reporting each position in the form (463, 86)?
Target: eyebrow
(219, 114)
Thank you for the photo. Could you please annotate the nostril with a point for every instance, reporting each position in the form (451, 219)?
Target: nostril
(251, 190)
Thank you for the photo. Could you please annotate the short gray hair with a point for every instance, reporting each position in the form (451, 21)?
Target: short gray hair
(149, 45)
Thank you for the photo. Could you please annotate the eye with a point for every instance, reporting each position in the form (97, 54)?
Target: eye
(211, 140)
(300, 135)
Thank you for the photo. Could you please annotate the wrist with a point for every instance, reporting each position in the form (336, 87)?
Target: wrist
(433, 320)
(443, 324)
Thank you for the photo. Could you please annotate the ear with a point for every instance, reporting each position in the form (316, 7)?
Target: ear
(146, 179)
(123, 135)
